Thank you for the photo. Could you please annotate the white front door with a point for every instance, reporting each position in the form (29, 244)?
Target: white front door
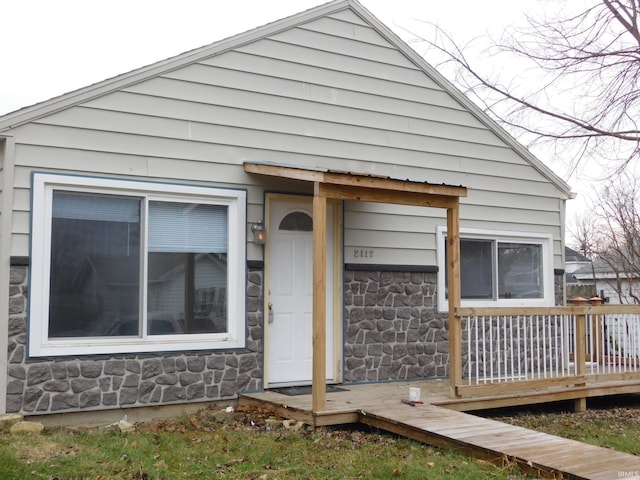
(289, 292)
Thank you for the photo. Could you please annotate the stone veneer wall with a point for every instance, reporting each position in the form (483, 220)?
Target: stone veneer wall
(65, 384)
(393, 328)
(559, 287)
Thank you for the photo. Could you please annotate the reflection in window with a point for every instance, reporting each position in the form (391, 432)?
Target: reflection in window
(297, 222)
(95, 265)
(187, 271)
(96, 268)
(491, 269)
(519, 270)
(476, 268)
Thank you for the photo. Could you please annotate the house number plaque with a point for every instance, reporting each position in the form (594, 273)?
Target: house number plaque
(363, 252)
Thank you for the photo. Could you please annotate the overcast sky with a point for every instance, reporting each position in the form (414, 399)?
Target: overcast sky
(50, 47)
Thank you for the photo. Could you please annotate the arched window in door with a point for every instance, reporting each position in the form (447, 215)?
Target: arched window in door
(297, 222)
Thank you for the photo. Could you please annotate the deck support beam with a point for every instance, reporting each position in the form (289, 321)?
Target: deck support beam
(318, 385)
(454, 295)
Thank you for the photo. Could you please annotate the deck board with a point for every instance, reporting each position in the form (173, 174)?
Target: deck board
(436, 423)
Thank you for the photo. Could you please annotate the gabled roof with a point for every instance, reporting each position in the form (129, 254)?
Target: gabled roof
(28, 114)
(610, 267)
(571, 255)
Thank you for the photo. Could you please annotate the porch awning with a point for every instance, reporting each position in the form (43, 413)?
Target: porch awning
(364, 187)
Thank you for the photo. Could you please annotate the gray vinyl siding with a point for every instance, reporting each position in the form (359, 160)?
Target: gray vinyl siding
(3, 146)
(331, 93)
(2, 173)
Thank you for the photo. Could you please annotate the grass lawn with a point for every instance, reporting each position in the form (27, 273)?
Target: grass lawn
(244, 444)
(250, 443)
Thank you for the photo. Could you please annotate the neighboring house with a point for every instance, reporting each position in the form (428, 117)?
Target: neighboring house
(131, 198)
(612, 282)
(575, 261)
(615, 285)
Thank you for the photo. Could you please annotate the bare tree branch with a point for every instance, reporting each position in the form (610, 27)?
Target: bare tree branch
(583, 84)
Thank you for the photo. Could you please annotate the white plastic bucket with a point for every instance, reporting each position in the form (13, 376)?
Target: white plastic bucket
(414, 394)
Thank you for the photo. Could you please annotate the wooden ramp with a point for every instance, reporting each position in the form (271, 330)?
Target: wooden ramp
(380, 405)
(536, 453)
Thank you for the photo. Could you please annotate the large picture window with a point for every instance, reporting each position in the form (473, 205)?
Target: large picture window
(500, 268)
(122, 266)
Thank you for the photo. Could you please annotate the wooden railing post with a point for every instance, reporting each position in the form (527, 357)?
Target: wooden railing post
(596, 333)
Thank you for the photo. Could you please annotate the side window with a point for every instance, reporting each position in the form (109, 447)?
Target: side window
(499, 268)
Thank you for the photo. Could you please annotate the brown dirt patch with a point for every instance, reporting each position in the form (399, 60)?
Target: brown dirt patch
(34, 452)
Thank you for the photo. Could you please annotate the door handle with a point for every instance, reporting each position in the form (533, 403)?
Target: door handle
(270, 313)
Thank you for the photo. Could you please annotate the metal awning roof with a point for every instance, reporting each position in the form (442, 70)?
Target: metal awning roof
(363, 186)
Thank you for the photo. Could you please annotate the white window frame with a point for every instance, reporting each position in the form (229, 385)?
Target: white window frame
(42, 187)
(543, 239)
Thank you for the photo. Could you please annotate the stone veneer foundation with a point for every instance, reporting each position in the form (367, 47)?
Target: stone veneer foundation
(66, 384)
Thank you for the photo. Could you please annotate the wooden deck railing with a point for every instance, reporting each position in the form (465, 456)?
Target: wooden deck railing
(510, 349)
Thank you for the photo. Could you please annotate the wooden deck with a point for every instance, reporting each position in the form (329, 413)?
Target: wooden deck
(438, 423)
